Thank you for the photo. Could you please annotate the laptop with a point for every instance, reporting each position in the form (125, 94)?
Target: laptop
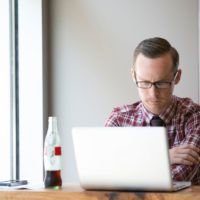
(124, 158)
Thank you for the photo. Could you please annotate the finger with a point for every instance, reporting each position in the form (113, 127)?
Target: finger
(189, 152)
(187, 157)
(190, 146)
(186, 162)
(193, 154)
(183, 161)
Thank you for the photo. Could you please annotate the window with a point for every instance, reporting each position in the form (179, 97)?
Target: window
(5, 91)
(21, 90)
(31, 90)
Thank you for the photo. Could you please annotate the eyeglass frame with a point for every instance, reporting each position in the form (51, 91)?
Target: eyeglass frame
(156, 83)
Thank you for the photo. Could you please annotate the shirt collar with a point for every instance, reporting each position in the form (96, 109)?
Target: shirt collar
(166, 115)
(169, 113)
(146, 114)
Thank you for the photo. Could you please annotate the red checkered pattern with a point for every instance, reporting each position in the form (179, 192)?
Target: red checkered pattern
(182, 119)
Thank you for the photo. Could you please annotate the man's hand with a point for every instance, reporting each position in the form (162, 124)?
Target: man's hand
(186, 154)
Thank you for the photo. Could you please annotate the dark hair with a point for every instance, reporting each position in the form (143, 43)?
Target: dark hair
(156, 47)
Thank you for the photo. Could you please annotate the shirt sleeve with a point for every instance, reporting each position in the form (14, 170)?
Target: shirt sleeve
(184, 173)
(112, 119)
(192, 131)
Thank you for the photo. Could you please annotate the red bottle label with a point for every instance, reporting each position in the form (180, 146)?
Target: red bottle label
(58, 151)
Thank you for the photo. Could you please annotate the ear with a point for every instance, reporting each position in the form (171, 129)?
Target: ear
(178, 76)
(133, 73)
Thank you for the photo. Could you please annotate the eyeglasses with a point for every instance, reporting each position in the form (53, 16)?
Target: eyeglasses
(158, 84)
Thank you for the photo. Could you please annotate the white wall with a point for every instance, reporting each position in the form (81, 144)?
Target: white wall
(90, 55)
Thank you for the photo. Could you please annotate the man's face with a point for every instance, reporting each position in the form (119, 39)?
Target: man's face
(158, 69)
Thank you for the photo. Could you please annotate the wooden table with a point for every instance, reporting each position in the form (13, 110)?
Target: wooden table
(74, 192)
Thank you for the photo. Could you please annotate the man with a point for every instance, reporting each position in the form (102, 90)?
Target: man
(155, 72)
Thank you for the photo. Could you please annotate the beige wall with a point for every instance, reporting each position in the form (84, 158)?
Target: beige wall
(91, 43)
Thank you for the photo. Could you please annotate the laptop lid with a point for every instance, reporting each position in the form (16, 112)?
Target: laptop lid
(122, 158)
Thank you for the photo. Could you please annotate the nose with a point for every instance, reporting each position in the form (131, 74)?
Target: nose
(154, 91)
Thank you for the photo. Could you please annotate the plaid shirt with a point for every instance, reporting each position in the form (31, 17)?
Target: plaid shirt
(182, 119)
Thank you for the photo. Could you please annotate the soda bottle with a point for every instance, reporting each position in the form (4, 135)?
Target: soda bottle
(52, 156)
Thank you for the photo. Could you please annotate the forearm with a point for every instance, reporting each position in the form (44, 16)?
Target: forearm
(185, 157)
(184, 172)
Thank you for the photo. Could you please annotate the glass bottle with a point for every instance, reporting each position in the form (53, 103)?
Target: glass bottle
(52, 156)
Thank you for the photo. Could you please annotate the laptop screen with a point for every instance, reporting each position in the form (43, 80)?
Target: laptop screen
(122, 158)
